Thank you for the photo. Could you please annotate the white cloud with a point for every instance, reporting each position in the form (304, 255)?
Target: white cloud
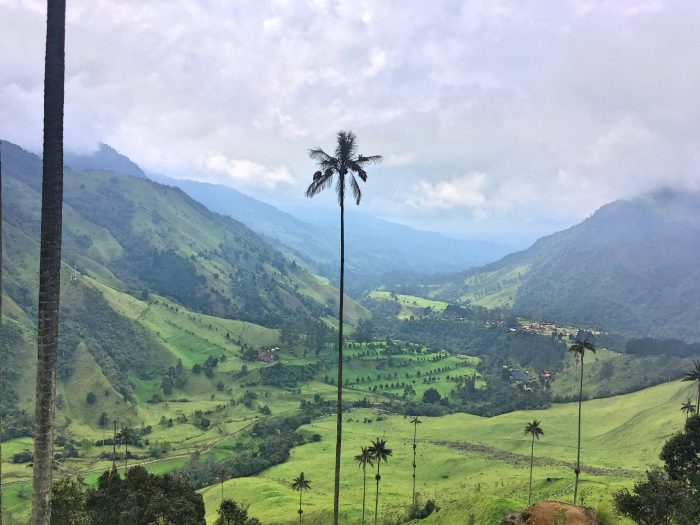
(565, 105)
(466, 192)
(400, 159)
(247, 172)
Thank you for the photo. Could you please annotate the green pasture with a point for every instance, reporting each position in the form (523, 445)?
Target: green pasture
(479, 465)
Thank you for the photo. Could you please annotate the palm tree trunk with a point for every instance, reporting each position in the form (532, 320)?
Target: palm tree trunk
(364, 491)
(1, 348)
(339, 403)
(300, 511)
(415, 428)
(376, 499)
(532, 456)
(697, 406)
(50, 262)
(578, 448)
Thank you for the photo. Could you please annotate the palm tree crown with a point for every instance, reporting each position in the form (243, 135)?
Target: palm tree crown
(365, 458)
(379, 450)
(300, 483)
(579, 347)
(346, 161)
(533, 429)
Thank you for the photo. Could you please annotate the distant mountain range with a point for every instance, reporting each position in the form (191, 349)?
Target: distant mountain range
(374, 246)
(632, 267)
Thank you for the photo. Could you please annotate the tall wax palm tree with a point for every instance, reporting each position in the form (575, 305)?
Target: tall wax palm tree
(694, 375)
(49, 262)
(2, 356)
(346, 164)
(363, 459)
(415, 422)
(379, 452)
(688, 407)
(300, 484)
(579, 349)
(535, 431)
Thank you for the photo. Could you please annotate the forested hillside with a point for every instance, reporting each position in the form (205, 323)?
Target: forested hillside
(631, 268)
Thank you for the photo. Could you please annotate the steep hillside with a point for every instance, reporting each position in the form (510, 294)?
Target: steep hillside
(128, 239)
(631, 267)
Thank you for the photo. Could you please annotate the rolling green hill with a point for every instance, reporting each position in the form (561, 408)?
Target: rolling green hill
(469, 464)
(630, 268)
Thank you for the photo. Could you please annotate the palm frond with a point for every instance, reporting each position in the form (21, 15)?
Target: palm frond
(371, 159)
(321, 182)
(356, 168)
(356, 191)
(319, 155)
(346, 146)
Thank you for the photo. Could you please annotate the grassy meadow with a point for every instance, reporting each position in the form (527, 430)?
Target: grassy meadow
(468, 464)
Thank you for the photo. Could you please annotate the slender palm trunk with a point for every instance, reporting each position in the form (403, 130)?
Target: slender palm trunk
(49, 262)
(532, 456)
(578, 448)
(339, 404)
(697, 406)
(364, 491)
(1, 347)
(415, 428)
(376, 499)
(300, 511)
(114, 446)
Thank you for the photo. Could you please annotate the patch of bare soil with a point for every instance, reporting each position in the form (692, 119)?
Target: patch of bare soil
(551, 513)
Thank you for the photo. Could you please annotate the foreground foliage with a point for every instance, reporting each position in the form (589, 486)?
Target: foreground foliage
(139, 498)
(671, 495)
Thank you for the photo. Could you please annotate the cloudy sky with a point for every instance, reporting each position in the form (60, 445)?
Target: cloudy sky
(497, 119)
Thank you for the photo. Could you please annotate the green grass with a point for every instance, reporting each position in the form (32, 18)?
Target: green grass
(411, 305)
(469, 463)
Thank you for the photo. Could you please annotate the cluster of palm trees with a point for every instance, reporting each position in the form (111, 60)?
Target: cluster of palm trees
(377, 452)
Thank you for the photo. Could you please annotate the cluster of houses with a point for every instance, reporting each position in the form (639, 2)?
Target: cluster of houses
(268, 355)
(523, 378)
(539, 327)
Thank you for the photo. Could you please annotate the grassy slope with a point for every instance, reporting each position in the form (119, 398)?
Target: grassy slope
(411, 305)
(622, 435)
